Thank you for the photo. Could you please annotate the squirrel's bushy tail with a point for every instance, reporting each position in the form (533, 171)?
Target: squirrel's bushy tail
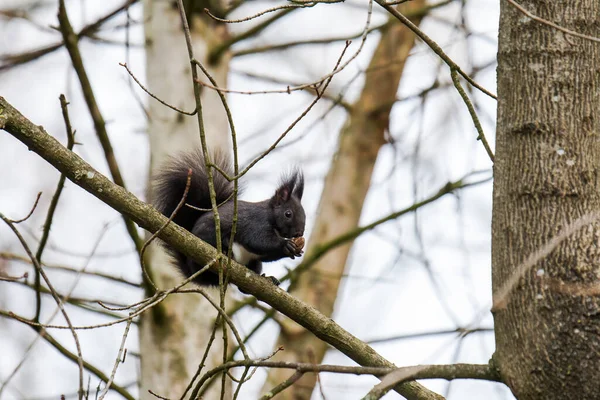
(170, 183)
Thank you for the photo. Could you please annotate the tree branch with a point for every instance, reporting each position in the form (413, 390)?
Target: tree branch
(433, 45)
(448, 372)
(82, 174)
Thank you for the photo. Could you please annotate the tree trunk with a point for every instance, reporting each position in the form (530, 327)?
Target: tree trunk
(345, 189)
(546, 177)
(174, 335)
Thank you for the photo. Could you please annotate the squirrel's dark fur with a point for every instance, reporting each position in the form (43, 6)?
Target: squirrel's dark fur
(264, 229)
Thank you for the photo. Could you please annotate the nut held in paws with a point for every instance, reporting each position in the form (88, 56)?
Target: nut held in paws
(299, 241)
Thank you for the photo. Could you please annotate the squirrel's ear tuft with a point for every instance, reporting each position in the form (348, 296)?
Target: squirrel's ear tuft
(291, 185)
(299, 187)
(284, 191)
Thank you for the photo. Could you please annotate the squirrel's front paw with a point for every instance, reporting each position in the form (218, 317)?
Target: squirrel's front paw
(293, 247)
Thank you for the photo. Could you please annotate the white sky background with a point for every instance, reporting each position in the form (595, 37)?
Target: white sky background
(388, 292)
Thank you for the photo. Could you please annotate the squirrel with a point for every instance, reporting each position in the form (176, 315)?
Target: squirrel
(266, 231)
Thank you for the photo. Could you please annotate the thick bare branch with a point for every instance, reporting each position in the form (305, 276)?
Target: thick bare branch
(82, 174)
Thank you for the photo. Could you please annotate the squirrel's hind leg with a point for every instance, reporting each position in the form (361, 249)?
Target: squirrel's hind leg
(256, 266)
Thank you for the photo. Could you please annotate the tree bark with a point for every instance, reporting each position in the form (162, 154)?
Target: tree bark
(546, 177)
(173, 336)
(345, 189)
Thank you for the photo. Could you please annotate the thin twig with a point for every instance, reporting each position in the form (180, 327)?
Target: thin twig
(282, 46)
(223, 315)
(216, 53)
(142, 306)
(7, 278)
(282, 386)
(66, 298)
(254, 16)
(19, 258)
(321, 250)
(118, 361)
(93, 27)
(333, 97)
(64, 351)
(209, 381)
(448, 372)
(39, 269)
(209, 171)
(339, 66)
(320, 92)
(52, 208)
(199, 115)
(155, 97)
(204, 356)
(465, 97)
(267, 317)
(390, 380)
(155, 234)
(37, 199)
(460, 332)
(222, 279)
(158, 396)
(433, 45)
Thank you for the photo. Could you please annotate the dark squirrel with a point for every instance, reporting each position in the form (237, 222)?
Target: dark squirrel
(266, 231)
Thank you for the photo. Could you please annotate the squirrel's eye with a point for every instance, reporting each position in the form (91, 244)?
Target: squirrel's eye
(288, 214)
